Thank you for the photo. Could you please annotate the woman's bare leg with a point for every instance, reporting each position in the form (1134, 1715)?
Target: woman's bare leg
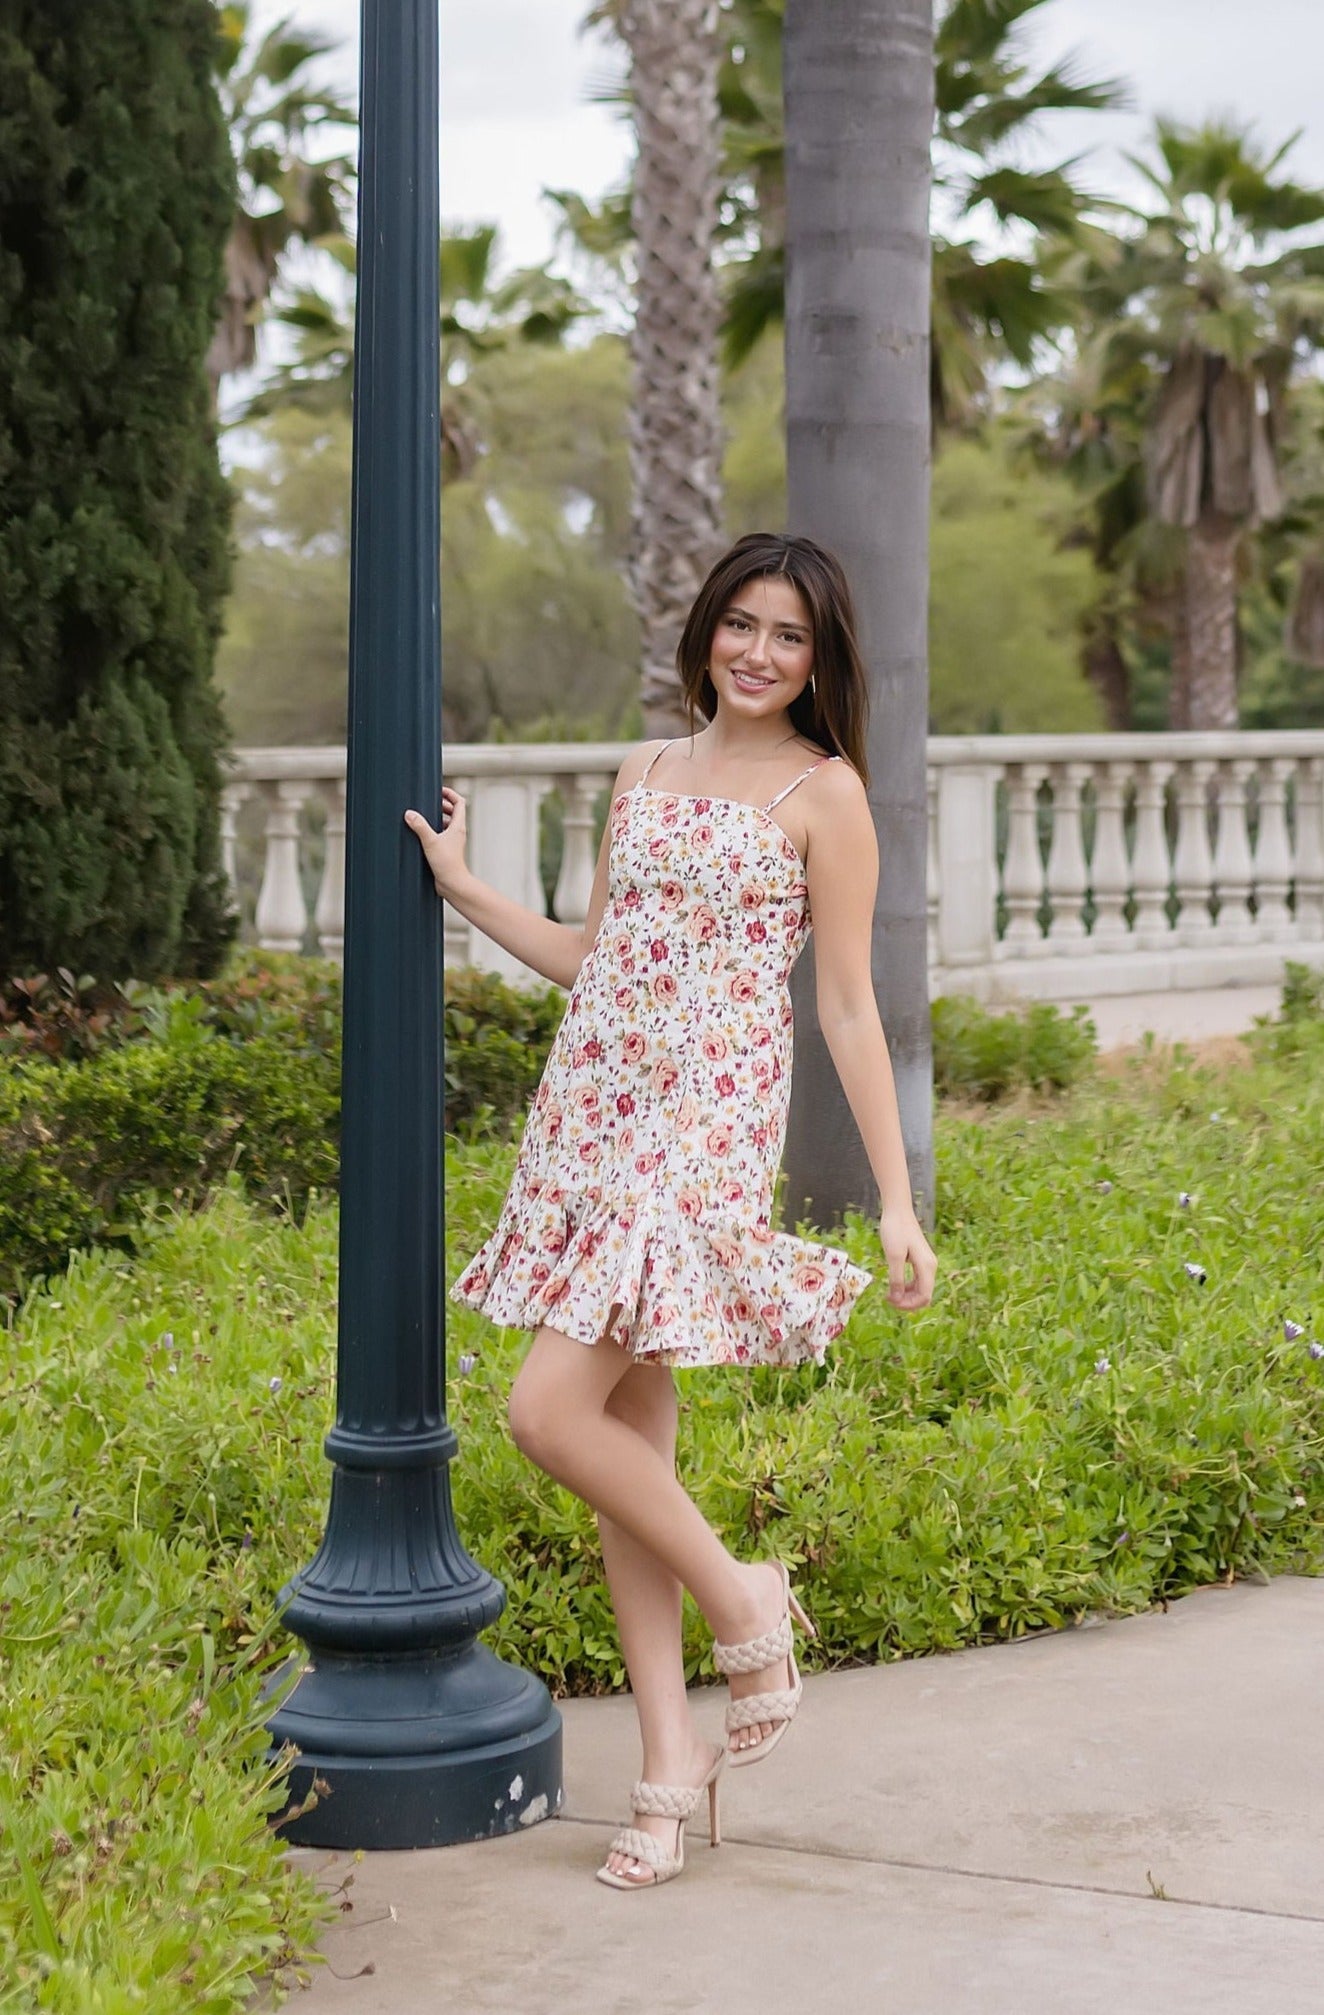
(646, 1597)
(560, 1419)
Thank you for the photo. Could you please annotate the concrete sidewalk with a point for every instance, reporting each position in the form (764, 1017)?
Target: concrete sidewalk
(1121, 1819)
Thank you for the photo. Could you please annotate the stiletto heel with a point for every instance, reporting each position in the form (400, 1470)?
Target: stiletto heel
(754, 1655)
(663, 1801)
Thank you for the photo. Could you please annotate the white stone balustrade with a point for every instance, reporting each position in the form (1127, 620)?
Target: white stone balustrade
(1061, 867)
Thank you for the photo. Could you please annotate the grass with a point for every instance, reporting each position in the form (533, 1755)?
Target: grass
(1079, 1423)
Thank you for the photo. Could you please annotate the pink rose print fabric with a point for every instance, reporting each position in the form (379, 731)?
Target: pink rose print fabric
(643, 1189)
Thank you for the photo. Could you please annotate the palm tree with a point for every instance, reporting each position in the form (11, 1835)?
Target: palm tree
(285, 197)
(1086, 419)
(479, 315)
(859, 114)
(675, 421)
(988, 307)
(1214, 294)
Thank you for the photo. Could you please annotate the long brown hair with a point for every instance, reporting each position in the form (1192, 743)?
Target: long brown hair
(835, 712)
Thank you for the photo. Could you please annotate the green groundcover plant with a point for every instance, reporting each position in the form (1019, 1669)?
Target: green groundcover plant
(1117, 1396)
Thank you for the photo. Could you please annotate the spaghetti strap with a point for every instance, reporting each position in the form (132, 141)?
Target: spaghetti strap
(800, 779)
(652, 759)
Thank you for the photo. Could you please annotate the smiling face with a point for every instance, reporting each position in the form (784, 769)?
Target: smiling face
(762, 651)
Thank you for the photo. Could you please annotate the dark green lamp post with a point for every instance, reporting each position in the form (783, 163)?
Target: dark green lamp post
(421, 1735)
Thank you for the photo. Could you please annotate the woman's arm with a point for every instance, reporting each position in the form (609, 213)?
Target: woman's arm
(555, 950)
(842, 875)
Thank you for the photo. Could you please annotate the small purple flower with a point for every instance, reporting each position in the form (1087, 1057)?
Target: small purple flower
(274, 1385)
(1185, 1199)
(1317, 1349)
(1102, 1364)
(467, 1362)
(1196, 1271)
(1292, 1330)
(1104, 1188)
(1122, 1538)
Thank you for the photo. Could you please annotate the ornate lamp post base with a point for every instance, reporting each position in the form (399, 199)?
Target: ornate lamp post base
(419, 1751)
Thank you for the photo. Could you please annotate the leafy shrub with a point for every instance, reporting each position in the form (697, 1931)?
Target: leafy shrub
(1303, 992)
(83, 1145)
(1298, 1029)
(64, 1017)
(985, 1055)
(497, 1039)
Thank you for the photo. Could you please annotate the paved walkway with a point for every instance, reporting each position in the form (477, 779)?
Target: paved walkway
(1121, 1819)
(1180, 1017)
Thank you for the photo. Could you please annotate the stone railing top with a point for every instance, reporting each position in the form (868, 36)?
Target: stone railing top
(1101, 747)
(268, 766)
(533, 759)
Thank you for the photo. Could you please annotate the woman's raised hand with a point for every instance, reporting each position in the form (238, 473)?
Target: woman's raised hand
(444, 850)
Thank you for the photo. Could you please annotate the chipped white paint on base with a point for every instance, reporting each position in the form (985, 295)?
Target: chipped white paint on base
(535, 1810)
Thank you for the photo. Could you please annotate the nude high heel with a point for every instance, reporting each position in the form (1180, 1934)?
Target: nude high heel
(752, 1656)
(664, 1801)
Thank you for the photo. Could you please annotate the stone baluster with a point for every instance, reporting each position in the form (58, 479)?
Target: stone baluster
(1310, 848)
(503, 852)
(931, 868)
(1150, 870)
(233, 799)
(1273, 852)
(965, 870)
(1023, 871)
(329, 916)
(1110, 871)
(282, 914)
(574, 883)
(1193, 866)
(1233, 868)
(1068, 875)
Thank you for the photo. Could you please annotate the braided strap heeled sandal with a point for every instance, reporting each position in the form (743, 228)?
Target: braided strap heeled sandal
(756, 1653)
(663, 1801)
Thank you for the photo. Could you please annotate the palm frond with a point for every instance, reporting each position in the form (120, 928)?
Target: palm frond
(755, 303)
(1046, 199)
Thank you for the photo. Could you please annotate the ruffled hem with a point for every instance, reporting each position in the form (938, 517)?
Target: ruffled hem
(691, 1289)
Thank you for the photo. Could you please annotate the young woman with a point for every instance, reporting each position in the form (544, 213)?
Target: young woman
(636, 1232)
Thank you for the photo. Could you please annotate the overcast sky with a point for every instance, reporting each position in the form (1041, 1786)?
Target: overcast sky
(516, 74)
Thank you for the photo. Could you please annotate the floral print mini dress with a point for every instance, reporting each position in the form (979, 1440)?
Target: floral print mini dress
(641, 1199)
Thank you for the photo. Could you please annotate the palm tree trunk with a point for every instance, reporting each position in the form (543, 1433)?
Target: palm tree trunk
(1179, 679)
(1107, 671)
(1211, 620)
(859, 114)
(676, 420)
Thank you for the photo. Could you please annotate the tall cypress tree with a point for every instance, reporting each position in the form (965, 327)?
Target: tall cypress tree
(116, 194)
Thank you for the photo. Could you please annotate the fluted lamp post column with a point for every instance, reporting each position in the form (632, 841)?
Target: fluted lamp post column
(419, 1733)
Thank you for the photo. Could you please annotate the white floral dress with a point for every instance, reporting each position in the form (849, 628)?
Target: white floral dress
(643, 1189)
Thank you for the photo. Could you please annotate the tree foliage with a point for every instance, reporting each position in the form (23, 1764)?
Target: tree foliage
(290, 191)
(536, 622)
(116, 192)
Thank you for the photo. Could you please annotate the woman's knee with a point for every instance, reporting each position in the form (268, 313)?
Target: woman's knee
(531, 1417)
